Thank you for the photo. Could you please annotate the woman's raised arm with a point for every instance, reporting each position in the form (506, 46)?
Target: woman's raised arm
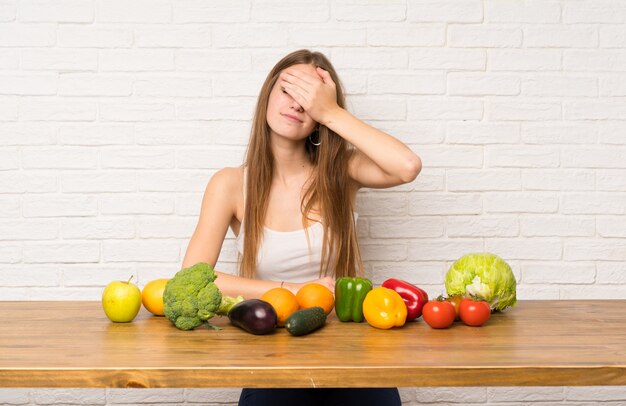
(380, 160)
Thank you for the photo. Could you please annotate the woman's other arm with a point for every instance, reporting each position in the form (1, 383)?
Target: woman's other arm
(219, 206)
(216, 213)
(232, 285)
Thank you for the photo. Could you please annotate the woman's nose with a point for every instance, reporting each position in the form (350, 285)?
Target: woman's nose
(297, 107)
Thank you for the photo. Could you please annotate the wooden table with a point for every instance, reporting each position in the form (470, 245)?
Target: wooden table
(538, 343)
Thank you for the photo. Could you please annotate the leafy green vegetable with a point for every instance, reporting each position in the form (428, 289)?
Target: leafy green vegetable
(227, 304)
(191, 297)
(484, 275)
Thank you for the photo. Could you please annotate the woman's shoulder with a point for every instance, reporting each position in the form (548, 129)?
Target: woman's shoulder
(227, 180)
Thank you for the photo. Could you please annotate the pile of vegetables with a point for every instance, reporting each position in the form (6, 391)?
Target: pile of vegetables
(390, 305)
(477, 284)
(191, 298)
(442, 312)
(485, 276)
(258, 317)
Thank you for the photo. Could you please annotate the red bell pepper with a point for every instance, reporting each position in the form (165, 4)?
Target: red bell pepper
(414, 297)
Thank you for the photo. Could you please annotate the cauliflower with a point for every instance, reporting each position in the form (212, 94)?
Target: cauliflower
(191, 297)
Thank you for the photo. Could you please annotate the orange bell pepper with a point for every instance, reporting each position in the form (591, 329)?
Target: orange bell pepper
(384, 308)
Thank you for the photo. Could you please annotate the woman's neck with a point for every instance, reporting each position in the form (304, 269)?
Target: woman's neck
(290, 162)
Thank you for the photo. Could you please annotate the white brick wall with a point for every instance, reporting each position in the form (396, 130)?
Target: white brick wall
(115, 114)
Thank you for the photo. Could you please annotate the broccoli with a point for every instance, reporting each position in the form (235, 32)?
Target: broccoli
(227, 304)
(191, 297)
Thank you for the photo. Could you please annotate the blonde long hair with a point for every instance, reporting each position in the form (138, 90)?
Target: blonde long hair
(330, 188)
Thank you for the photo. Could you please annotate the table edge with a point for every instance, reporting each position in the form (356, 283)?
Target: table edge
(312, 377)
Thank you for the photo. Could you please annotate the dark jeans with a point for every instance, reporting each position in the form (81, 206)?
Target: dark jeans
(322, 396)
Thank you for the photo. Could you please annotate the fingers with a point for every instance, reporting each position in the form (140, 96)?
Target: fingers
(316, 94)
(294, 75)
(294, 85)
(298, 94)
(324, 75)
(305, 87)
(303, 79)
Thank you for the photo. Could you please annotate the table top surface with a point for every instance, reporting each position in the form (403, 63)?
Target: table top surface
(537, 343)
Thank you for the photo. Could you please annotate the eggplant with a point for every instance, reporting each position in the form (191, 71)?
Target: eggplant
(254, 315)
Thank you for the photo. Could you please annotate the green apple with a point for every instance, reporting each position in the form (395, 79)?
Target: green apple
(121, 301)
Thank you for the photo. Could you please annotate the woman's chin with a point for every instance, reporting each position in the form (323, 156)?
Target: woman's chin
(290, 135)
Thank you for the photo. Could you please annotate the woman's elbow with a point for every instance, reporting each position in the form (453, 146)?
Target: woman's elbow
(412, 168)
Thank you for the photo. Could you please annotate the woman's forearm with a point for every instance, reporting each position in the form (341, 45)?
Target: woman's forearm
(231, 285)
(389, 153)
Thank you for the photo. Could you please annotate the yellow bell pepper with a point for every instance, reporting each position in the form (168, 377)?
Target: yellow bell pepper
(384, 308)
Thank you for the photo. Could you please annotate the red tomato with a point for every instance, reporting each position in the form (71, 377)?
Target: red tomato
(456, 302)
(438, 314)
(474, 312)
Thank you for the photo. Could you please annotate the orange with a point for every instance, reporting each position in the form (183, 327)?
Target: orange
(283, 301)
(314, 294)
(152, 296)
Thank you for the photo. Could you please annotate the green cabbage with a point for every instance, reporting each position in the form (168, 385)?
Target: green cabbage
(484, 275)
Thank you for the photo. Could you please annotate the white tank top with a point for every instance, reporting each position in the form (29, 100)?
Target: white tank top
(287, 255)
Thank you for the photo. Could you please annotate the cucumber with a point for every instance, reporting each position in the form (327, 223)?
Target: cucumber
(305, 321)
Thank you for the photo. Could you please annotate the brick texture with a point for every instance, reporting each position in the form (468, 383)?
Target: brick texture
(114, 115)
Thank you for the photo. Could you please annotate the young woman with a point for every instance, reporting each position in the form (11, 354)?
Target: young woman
(291, 204)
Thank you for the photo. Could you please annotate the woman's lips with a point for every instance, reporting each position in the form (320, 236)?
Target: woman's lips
(292, 118)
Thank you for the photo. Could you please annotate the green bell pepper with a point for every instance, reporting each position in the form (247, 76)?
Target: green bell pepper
(349, 296)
